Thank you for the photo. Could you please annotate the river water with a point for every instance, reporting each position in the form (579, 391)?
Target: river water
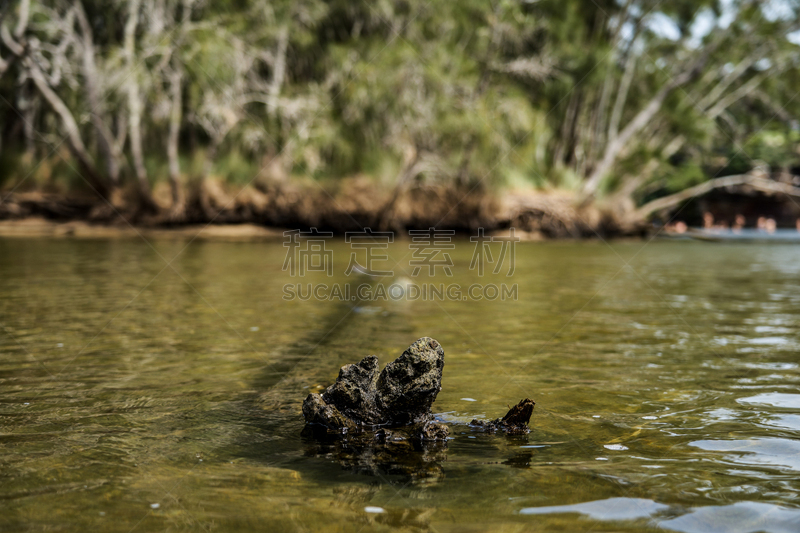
(157, 386)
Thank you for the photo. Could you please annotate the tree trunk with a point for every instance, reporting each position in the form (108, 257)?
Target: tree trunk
(385, 220)
(559, 153)
(717, 91)
(15, 48)
(73, 132)
(28, 109)
(641, 120)
(630, 186)
(135, 109)
(278, 71)
(622, 96)
(172, 141)
(22, 23)
(104, 135)
(755, 182)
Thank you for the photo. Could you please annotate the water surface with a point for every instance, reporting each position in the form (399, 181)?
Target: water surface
(158, 387)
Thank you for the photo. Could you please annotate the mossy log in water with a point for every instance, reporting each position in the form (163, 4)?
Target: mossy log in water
(395, 402)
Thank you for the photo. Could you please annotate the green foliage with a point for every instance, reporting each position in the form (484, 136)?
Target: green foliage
(685, 176)
(235, 168)
(514, 93)
(776, 148)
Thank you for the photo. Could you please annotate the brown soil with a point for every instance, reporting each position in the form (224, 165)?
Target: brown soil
(349, 205)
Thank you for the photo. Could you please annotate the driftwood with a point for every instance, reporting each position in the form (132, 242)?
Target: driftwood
(364, 400)
(515, 422)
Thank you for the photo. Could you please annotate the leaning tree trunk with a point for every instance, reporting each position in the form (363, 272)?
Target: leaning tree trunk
(758, 183)
(640, 121)
(385, 218)
(71, 126)
(74, 140)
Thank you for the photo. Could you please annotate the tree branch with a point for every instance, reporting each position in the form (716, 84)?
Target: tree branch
(755, 182)
(641, 120)
(73, 132)
(724, 103)
(24, 14)
(718, 90)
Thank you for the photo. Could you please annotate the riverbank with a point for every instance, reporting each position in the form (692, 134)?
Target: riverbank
(40, 227)
(267, 210)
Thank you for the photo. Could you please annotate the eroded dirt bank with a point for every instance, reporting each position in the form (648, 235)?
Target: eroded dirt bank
(350, 206)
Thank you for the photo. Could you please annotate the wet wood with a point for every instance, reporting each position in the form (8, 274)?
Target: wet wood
(515, 422)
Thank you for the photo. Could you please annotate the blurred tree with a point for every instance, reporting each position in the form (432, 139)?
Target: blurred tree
(631, 98)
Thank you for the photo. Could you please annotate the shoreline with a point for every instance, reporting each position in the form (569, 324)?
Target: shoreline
(41, 227)
(266, 212)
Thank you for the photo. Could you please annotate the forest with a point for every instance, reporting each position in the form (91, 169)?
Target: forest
(573, 115)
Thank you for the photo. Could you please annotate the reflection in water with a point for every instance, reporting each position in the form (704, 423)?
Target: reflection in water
(790, 422)
(394, 460)
(742, 517)
(776, 399)
(399, 460)
(611, 509)
(520, 460)
(764, 451)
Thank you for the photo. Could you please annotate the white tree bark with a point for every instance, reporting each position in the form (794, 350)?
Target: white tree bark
(278, 71)
(97, 116)
(135, 104)
(70, 125)
(724, 103)
(172, 142)
(715, 93)
(615, 146)
(728, 181)
(622, 96)
(24, 14)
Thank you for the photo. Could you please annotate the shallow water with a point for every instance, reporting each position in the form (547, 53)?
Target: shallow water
(138, 396)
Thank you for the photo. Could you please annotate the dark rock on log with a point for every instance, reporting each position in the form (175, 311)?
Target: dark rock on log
(354, 393)
(399, 396)
(408, 385)
(514, 423)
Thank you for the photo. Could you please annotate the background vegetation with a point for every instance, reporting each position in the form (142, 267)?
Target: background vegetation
(624, 99)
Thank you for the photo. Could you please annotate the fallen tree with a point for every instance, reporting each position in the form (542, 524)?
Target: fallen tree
(673, 200)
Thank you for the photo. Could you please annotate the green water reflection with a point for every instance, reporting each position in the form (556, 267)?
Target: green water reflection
(136, 396)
